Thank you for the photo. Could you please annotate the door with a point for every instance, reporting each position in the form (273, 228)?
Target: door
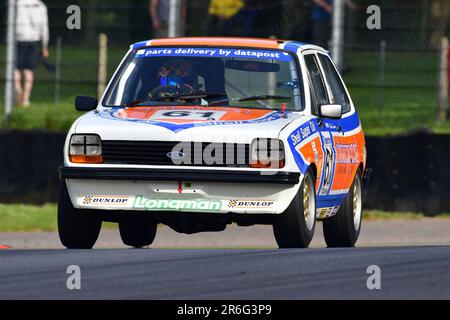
(345, 143)
(331, 169)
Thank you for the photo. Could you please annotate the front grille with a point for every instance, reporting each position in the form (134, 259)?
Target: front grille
(157, 153)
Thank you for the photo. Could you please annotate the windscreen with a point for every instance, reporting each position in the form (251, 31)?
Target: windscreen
(207, 76)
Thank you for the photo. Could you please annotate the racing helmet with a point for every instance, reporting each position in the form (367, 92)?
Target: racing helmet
(178, 73)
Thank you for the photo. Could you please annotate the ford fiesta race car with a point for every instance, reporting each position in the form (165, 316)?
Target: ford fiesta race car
(199, 133)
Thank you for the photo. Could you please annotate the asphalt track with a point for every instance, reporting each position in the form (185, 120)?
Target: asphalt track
(406, 273)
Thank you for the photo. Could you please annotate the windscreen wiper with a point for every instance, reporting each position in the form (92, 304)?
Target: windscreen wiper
(182, 96)
(264, 97)
(199, 95)
(137, 102)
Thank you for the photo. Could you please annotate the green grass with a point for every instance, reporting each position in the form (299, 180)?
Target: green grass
(18, 217)
(408, 102)
(43, 115)
(385, 215)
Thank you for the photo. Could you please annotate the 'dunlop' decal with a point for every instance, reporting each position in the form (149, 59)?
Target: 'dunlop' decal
(179, 117)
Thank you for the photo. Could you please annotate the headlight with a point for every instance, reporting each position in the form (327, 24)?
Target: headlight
(85, 148)
(267, 153)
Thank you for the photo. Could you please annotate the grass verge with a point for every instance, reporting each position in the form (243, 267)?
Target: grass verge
(19, 217)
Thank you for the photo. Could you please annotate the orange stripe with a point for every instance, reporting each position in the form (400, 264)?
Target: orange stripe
(344, 172)
(343, 177)
(218, 41)
(308, 153)
(232, 114)
(361, 142)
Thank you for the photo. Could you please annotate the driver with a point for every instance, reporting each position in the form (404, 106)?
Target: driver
(179, 73)
(183, 79)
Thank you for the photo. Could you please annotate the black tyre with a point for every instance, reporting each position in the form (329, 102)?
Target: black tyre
(294, 228)
(342, 230)
(137, 231)
(77, 228)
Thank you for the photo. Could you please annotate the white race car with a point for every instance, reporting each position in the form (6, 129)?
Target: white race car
(198, 133)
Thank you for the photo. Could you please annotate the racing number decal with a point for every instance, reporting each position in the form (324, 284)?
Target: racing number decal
(179, 114)
(328, 162)
(196, 115)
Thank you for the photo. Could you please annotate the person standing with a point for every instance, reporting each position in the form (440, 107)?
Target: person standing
(220, 20)
(160, 12)
(32, 36)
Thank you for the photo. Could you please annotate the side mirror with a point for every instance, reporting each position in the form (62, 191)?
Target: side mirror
(83, 103)
(332, 111)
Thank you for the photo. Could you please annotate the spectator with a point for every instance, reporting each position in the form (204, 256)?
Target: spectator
(220, 14)
(32, 41)
(159, 12)
(321, 15)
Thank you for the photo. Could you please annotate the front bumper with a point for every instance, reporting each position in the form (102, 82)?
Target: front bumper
(179, 190)
(193, 175)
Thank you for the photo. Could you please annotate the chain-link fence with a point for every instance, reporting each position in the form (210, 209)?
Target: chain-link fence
(392, 72)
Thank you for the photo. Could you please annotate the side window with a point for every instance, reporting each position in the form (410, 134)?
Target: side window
(335, 83)
(317, 83)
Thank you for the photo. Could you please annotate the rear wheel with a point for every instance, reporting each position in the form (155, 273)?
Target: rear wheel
(137, 231)
(294, 228)
(342, 230)
(77, 228)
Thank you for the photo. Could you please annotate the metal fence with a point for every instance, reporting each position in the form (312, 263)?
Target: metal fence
(394, 69)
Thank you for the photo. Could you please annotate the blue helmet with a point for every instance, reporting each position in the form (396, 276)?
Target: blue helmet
(177, 73)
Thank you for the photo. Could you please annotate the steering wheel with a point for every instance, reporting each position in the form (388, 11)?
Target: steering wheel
(164, 92)
(169, 91)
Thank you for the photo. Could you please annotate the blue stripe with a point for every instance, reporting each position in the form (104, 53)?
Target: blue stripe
(293, 46)
(350, 123)
(297, 136)
(139, 44)
(330, 200)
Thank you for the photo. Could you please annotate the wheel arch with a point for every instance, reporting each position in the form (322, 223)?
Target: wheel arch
(361, 167)
(313, 168)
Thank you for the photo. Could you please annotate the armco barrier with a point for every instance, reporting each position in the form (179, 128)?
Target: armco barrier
(408, 173)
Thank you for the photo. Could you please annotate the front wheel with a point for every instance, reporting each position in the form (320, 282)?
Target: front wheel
(78, 229)
(342, 230)
(137, 231)
(294, 228)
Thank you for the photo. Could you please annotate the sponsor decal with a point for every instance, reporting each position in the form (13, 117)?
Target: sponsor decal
(250, 204)
(213, 52)
(140, 202)
(327, 212)
(105, 200)
(346, 153)
(322, 213)
(303, 132)
(334, 211)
